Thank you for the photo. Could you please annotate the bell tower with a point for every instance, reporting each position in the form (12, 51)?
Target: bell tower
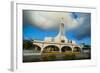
(61, 31)
(61, 35)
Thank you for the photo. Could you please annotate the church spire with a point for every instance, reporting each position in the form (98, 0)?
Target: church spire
(61, 35)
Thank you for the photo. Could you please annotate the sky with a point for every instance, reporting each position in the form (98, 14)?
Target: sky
(41, 24)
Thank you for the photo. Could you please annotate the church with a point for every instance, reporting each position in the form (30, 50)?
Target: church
(60, 43)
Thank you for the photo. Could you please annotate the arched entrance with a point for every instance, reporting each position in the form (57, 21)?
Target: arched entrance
(66, 49)
(76, 49)
(50, 48)
(36, 48)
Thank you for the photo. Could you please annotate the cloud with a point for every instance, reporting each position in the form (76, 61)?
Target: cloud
(84, 30)
(48, 20)
(78, 23)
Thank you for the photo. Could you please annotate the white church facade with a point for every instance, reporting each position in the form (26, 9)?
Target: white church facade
(60, 43)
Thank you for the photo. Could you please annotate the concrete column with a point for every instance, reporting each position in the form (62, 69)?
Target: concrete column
(72, 49)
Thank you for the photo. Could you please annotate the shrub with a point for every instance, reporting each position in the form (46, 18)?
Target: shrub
(69, 57)
(48, 57)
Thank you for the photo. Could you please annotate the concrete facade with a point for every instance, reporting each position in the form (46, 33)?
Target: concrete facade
(59, 41)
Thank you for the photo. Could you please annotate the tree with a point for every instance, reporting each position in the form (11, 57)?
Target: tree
(27, 44)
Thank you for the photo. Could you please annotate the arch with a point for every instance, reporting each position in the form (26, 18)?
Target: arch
(66, 49)
(36, 48)
(76, 49)
(51, 48)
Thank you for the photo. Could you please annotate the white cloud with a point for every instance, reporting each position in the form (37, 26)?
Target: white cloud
(48, 20)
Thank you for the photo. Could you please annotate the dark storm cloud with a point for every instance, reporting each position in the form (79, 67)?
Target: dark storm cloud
(25, 17)
(84, 30)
